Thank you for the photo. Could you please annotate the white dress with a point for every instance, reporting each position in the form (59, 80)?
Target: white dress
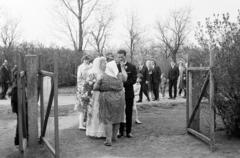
(94, 128)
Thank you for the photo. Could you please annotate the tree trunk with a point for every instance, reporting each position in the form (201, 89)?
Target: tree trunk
(174, 56)
(131, 55)
(80, 41)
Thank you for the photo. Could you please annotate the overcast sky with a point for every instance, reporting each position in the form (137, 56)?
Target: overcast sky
(37, 22)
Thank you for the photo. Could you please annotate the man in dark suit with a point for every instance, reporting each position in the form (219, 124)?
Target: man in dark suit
(129, 92)
(14, 104)
(156, 80)
(173, 78)
(144, 80)
(4, 78)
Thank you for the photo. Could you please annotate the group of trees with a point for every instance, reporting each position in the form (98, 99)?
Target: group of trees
(76, 17)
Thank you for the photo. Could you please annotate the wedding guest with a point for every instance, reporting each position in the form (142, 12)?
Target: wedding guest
(129, 91)
(83, 95)
(163, 84)
(111, 99)
(173, 78)
(143, 79)
(156, 80)
(182, 79)
(137, 88)
(4, 79)
(13, 93)
(150, 76)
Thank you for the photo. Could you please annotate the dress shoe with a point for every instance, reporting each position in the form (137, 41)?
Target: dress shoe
(120, 135)
(139, 101)
(138, 122)
(129, 135)
(106, 143)
(82, 128)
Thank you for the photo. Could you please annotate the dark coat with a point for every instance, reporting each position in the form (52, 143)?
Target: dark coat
(156, 75)
(173, 73)
(144, 74)
(4, 75)
(131, 79)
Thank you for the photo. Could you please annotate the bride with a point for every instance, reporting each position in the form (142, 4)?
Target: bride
(94, 127)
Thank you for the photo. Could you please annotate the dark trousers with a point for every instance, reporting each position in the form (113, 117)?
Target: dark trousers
(16, 140)
(156, 90)
(128, 112)
(143, 89)
(173, 84)
(24, 127)
(4, 90)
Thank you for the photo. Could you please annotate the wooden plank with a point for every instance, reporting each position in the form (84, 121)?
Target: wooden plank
(32, 93)
(24, 109)
(20, 120)
(41, 101)
(49, 106)
(203, 89)
(211, 107)
(41, 96)
(199, 135)
(56, 129)
(49, 146)
(198, 69)
(46, 73)
(187, 100)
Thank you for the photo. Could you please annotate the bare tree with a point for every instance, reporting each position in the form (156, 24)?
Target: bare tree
(9, 34)
(133, 35)
(173, 33)
(80, 11)
(100, 31)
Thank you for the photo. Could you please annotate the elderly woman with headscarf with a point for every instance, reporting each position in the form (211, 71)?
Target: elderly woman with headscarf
(111, 98)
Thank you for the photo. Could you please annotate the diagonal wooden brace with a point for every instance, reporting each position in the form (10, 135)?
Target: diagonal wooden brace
(203, 89)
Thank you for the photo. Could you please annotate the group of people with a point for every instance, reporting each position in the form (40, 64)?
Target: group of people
(105, 92)
(152, 79)
(105, 96)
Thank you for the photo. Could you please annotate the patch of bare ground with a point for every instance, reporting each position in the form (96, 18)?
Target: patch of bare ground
(162, 135)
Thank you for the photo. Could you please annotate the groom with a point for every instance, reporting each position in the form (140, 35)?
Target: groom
(129, 92)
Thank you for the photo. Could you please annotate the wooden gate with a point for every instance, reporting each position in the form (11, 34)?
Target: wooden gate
(30, 89)
(44, 115)
(194, 99)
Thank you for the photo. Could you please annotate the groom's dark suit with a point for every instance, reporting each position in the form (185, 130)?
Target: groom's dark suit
(129, 96)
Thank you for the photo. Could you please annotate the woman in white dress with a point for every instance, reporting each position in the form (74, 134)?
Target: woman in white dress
(81, 93)
(94, 128)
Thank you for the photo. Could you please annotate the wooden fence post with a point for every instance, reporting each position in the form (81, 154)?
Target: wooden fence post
(32, 98)
(211, 107)
(57, 149)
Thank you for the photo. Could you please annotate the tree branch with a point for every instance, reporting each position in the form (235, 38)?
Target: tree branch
(69, 7)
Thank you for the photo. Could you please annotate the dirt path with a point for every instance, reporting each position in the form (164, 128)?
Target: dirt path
(162, 134)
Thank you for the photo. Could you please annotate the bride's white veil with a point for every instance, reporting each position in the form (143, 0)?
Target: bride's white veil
(96, 65)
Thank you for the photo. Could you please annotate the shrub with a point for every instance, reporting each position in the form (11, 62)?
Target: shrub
(223, 37)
